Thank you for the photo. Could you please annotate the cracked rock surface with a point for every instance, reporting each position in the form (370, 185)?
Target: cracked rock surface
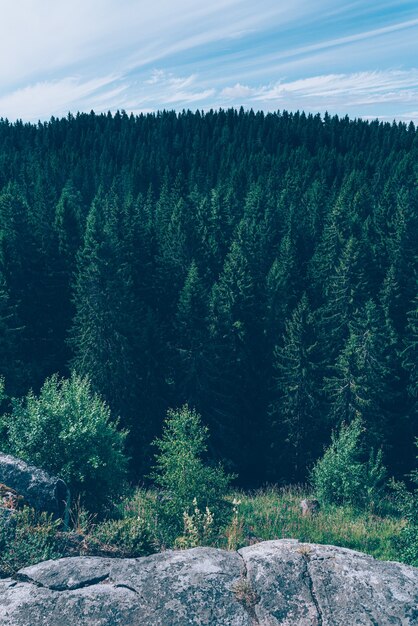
(270, 583)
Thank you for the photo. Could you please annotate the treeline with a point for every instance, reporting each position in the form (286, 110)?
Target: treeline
(261, 268)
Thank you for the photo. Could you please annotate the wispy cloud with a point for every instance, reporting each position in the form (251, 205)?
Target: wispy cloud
(351, 57)
(359, 36)
(166, 90)
(237, 91)
(333, 92)
(392, 85)
(29, 102)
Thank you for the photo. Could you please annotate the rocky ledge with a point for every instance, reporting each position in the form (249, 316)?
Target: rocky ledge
(21, 484)
(276, 582)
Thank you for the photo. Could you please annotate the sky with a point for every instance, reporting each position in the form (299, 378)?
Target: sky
(357, 58)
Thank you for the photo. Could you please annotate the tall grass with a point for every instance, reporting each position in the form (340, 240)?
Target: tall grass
(135, 528)
(275, 513)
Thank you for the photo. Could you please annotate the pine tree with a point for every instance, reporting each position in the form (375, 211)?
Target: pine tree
(69, 224)
(102, 336)
(233, 367)
(192, 341)
(295, 410)
(410, 352)
(282, 283)
(343, 291)
(21, 276)
(356, 386)
(10, 337)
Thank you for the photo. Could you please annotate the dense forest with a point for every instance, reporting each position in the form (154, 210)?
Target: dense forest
(259, 267)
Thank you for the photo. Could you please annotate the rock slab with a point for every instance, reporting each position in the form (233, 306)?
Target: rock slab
(38, 489)
(271, 583)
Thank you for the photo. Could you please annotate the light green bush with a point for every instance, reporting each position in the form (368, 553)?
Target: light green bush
(29, 537)
(407, 503)
(185, 480)
(345, 475)
(130, 537)
(68, 431)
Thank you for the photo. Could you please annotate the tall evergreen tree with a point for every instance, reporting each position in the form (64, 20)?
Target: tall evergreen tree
(191, 362)
(356, 385)
(233, 369)
(102, 336)
(410, 352)
(295, 410)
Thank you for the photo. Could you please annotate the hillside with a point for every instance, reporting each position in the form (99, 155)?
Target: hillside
(260, 267)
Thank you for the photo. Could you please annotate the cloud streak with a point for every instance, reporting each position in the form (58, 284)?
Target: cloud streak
(29, 102)
(345, 58)
(373, 86)
(333, 92)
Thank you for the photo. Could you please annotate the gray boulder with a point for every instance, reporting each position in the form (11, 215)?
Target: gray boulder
(315, 585)
(38, 489)
(167, 589)
(272, 583)
(309, 507)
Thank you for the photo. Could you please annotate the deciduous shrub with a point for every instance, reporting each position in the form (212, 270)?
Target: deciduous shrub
(29, 537)
(186, 481)
(407, 502)
(345, 474)
(128, 537)
(68, 431)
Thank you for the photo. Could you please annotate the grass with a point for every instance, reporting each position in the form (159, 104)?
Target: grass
(274, 513)
(134, 528)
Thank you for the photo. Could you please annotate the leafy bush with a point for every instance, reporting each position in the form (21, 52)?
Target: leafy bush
(406, 543)
(186, 482)
(407, 503)
(27, 538)
(344, 475)
(129, 537)
(67, 430)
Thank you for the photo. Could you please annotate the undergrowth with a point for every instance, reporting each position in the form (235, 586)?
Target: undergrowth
(134, 528)
(274, 513)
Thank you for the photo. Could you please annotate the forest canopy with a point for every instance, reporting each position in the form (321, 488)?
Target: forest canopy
(259, 267)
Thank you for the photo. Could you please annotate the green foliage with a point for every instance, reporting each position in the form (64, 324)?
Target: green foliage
(27, 538)
(407, 502)
(355, 389)
(103, 333)
(407, 542)
(257, 516)
(129, 537)
(191, 361)
(68, 431)
(410, 353)
(295, 408)
(164, 257)
(198, 528)
(274, 513)
(343, 475)
(185, 480)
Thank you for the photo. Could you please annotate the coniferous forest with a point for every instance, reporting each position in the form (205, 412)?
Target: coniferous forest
(260, 267)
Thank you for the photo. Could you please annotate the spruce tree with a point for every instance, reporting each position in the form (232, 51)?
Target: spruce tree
(294, 411)
(356, 385)
(192, 341)
(102, 335)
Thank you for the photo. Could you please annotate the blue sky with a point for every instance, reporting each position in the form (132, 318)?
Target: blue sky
(358, 58)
